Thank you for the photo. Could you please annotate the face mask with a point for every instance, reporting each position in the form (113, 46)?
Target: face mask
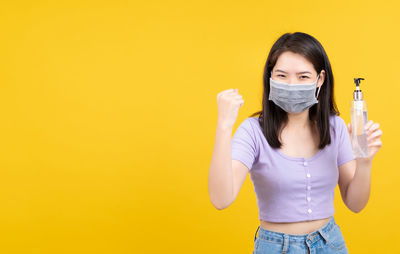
(293, 98)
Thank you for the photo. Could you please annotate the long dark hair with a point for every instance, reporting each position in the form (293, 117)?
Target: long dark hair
(272, 118)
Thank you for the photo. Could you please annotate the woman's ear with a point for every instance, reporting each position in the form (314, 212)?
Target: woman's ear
(321, 79)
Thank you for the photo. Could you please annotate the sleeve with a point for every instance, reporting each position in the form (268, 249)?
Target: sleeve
(243, 144)
(345, 149)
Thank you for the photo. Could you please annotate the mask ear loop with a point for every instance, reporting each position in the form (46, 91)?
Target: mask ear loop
(319, 88)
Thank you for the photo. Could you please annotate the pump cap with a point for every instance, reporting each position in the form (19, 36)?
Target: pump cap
(357, 81)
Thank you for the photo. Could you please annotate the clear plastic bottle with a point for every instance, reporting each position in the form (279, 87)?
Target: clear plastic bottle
(358, 121)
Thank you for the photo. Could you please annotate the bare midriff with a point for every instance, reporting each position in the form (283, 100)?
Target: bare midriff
(294, 228)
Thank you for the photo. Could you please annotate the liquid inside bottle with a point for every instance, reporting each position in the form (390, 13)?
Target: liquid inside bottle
(358, 122)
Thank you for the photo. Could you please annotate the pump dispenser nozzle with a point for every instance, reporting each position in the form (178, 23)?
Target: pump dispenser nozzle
(357, 81)
(357, 94)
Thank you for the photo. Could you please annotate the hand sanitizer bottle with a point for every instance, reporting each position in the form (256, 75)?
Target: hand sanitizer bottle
(358, 121)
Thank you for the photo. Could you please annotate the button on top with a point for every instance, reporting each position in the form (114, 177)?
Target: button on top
(308, 175)
(308, 199)
(308, 187)
(305, 163)
(309, 210)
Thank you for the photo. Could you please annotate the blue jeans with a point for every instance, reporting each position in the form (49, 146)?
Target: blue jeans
(325, 240)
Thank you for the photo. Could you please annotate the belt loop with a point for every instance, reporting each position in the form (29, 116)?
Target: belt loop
(324, 231)
(256, 233)
(324, 236)
(285, 243)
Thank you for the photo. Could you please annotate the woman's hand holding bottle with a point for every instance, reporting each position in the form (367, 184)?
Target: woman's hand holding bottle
(374, 141)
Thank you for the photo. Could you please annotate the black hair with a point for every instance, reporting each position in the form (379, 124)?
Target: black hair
(272, 118)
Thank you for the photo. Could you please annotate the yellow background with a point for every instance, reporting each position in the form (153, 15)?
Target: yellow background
(108, 116)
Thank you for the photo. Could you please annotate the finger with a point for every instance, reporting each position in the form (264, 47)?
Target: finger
(375, 134)
(225, 92)
(239, 101)
(368, 125)
(372, 128)
(371, 141)
(233, 96)
(349, 127)
(238, 96)
(377, 143)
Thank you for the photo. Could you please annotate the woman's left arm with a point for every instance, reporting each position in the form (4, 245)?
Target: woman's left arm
(355, 176)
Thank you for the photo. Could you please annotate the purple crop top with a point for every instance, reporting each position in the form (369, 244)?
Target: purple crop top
(291, 189)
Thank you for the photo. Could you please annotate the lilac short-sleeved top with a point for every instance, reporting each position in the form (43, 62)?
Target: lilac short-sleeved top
(291, 189)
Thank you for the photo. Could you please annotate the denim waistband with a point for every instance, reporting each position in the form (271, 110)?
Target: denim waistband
(279, 237)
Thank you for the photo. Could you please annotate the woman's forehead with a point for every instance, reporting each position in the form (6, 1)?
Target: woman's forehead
(290, 62)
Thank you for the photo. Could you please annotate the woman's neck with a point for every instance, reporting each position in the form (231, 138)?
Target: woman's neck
(299, 121)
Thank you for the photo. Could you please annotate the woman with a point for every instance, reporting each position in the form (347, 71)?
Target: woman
(296, 150)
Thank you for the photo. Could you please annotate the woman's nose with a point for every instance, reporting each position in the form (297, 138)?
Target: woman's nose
(293, 80)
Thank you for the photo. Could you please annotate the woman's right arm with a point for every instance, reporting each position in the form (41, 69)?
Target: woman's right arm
(225, 175)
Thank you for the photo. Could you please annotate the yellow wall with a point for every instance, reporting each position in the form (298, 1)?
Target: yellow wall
(108, 115)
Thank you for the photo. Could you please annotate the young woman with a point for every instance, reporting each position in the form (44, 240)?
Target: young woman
(296, 150)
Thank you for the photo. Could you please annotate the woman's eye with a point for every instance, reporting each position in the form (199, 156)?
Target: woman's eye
(280, 75)
(305, 76)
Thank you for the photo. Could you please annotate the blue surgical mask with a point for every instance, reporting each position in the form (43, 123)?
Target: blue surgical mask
(293, 98)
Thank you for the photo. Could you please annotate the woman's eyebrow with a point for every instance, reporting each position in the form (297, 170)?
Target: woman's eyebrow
(302, 72)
